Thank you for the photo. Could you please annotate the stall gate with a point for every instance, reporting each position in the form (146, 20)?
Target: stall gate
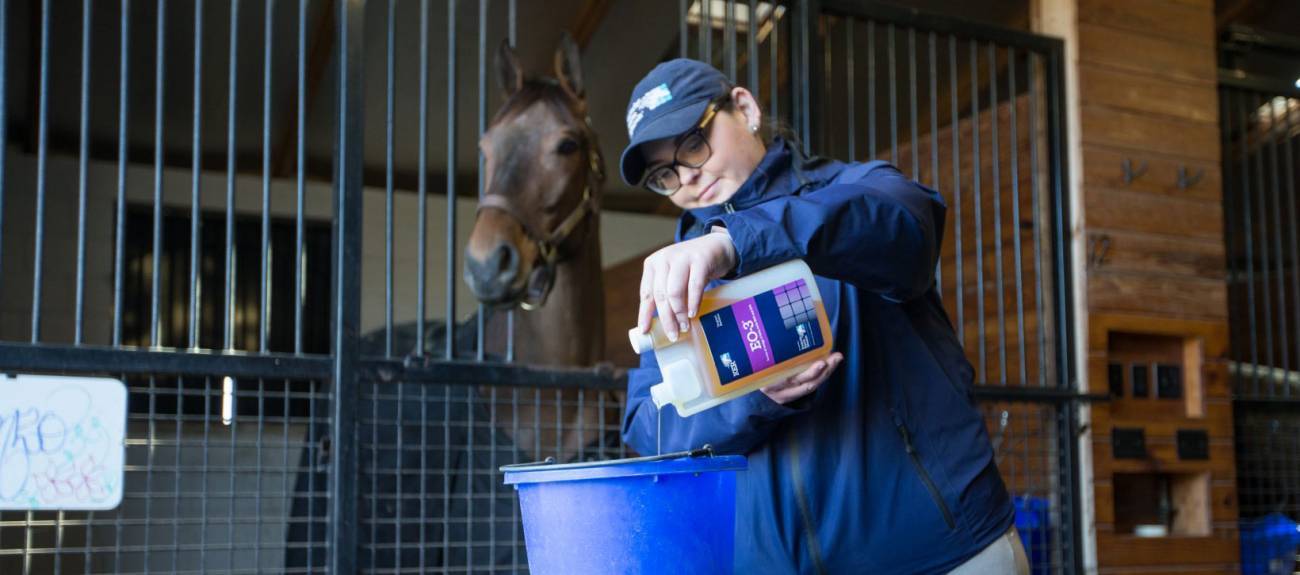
(1259, 121)
(282, 417)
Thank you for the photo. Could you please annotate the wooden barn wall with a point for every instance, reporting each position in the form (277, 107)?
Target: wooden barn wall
(1148, 99)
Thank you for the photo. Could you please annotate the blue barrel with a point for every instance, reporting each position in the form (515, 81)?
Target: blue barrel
(1269, 545)
(644, 515)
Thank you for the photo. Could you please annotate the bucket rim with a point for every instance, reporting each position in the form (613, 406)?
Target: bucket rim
(696, 461)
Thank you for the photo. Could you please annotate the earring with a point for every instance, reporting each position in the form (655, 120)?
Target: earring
(753, 128)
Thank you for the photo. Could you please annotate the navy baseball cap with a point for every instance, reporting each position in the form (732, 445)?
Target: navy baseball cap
(667, 103)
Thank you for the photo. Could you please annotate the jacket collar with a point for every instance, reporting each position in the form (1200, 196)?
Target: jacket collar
(782, 171)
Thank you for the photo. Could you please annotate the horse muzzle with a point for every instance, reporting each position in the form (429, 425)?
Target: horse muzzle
(496, 280)
(492, 279)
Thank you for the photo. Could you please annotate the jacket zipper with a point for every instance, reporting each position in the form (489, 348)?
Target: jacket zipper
(728, 207)
(925, 476)
(809, 530)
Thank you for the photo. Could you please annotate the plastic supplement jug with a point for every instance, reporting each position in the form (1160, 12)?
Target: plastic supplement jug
(750, 333)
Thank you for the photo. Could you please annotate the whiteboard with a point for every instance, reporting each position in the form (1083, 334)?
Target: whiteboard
(61, 442)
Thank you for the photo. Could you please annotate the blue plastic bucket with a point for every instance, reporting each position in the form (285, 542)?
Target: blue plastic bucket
(1269, 545)
(671, 514)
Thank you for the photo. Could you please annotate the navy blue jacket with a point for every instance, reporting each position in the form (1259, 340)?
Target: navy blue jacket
(887, 467)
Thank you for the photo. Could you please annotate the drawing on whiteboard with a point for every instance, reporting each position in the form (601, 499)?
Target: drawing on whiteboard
(61, 442)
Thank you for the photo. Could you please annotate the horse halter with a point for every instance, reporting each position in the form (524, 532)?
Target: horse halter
(548, 245)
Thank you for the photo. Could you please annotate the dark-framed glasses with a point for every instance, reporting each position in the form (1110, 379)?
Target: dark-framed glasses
(692, 151)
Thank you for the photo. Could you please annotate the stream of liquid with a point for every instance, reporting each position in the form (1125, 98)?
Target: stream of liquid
(659, 431)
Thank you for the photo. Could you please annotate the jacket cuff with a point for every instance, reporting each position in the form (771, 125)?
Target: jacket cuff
(749, 256)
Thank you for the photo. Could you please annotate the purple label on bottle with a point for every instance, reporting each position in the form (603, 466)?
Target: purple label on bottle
(761, 331)
(750, 325)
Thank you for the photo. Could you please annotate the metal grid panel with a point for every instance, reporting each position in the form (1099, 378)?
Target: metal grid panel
(219, 475)
(1268, 477)
(1260, 124)
(1027, 448)
(1268, 460)
(200, 493)
(432, 499)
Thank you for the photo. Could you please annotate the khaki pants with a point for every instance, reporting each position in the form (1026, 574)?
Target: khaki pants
(1004, 556)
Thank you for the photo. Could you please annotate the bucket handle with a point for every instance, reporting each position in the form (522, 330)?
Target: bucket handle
(549, 462)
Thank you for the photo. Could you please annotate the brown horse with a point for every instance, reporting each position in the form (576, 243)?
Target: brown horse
(535, 244)
(536, 239)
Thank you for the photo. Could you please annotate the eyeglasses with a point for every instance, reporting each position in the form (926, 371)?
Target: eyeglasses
(692, 152)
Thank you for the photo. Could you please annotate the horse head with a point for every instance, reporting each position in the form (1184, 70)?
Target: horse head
(543, 171)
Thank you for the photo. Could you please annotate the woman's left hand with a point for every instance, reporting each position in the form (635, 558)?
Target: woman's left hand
(805, 382)
(673, 279)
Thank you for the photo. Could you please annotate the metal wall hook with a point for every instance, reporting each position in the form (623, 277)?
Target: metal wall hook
(1185, 181)
(1130, 173)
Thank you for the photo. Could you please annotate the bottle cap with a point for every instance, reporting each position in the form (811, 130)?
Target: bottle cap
(641, 342)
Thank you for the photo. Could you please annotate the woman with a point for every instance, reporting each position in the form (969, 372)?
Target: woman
(874, 460)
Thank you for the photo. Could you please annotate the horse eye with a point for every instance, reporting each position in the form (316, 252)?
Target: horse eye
(567, 146)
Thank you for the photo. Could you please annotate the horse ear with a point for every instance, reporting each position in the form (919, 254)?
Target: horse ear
(568, 67)
(510, 75)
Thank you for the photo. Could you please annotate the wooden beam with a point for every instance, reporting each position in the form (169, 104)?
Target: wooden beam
(588, 20)
(1233, 12)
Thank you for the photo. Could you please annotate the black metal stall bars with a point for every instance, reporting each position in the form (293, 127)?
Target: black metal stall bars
(1259, 120)
(266, 432)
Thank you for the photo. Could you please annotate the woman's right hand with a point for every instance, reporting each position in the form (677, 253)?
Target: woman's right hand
(806, 382)
(673, 279)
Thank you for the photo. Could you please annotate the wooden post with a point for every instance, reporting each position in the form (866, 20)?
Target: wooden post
(1141, 103)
